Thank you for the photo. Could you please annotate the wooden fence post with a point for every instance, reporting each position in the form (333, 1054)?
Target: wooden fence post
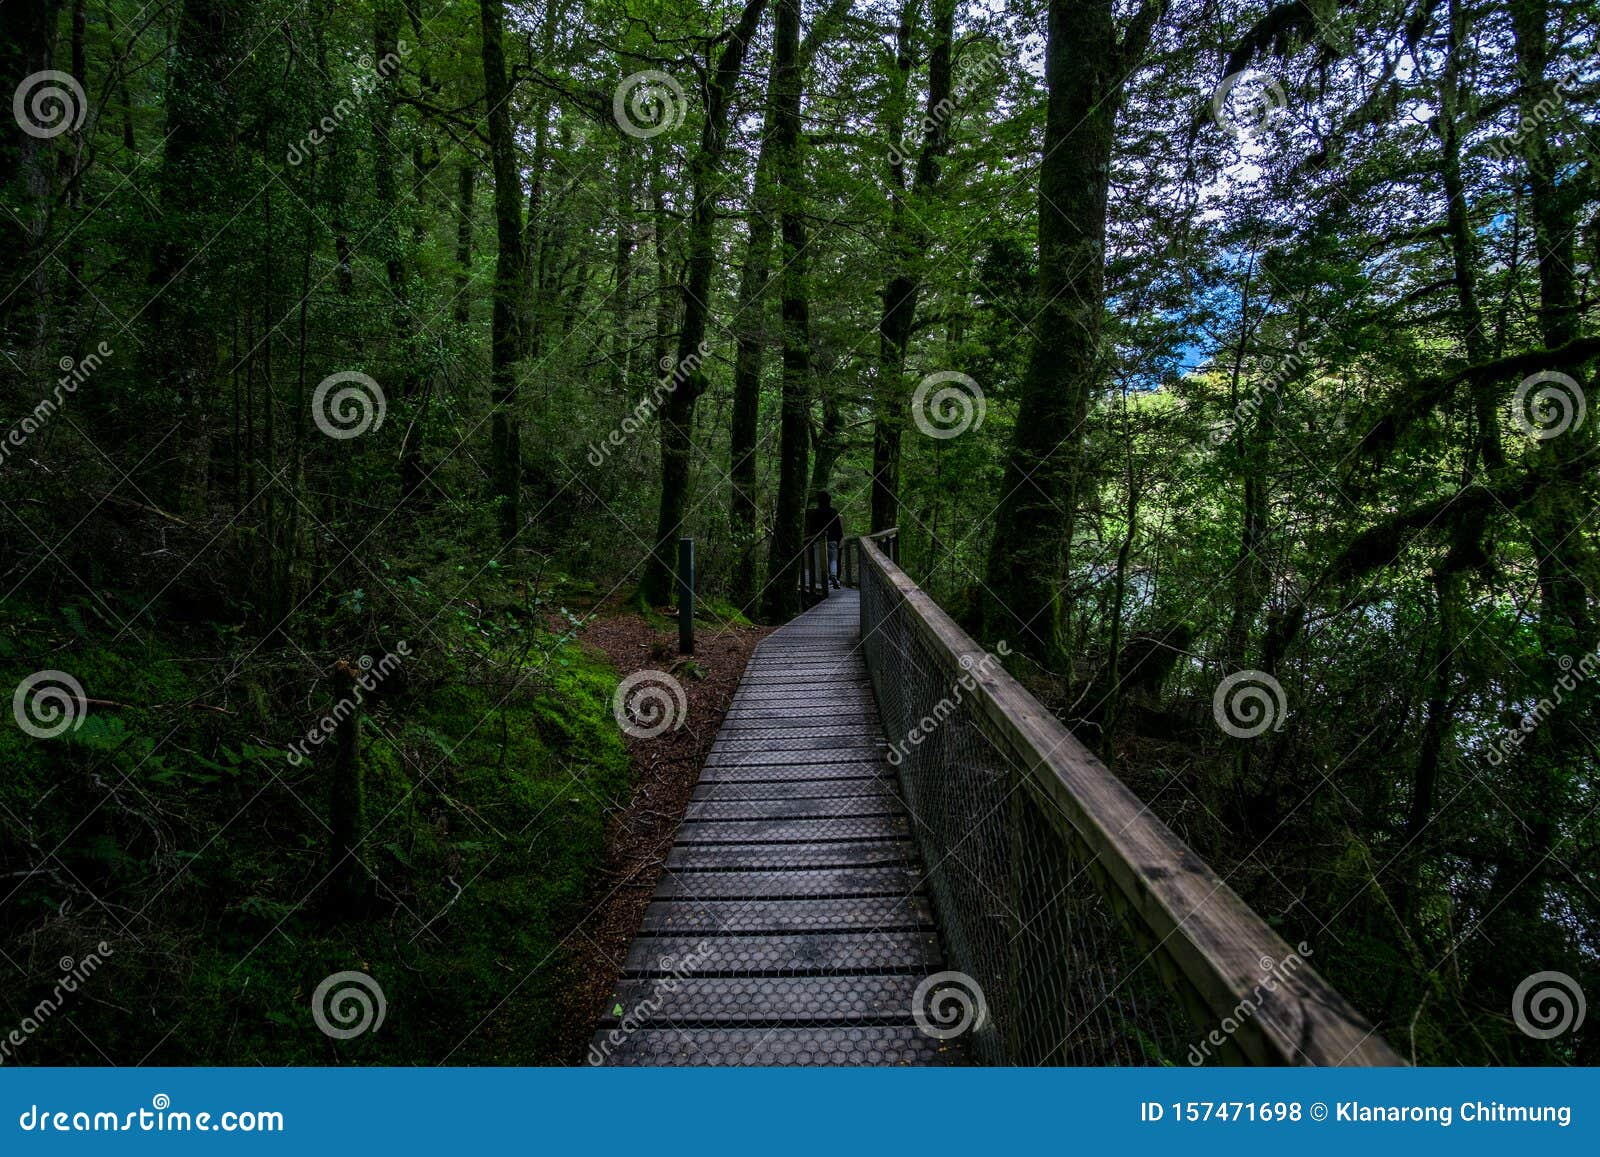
(686, 596)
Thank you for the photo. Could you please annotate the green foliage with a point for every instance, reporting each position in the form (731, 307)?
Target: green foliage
(487, 800)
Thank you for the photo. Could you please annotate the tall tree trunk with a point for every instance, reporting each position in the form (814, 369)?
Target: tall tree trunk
(1248, 580)
(1555, 516)
(509, 323)
(385, 38)
(688, 378)
(908, 243)
(788, 534)
(466, 176)
(27, 46)
(197, 162)
(660, 233)
(750, 329)
(1485, 454)
(1112, 716)
(1085, 69)
(828, 442)
(622, 277)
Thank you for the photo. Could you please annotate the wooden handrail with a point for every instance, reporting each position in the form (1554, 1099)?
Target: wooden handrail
(1154, 881)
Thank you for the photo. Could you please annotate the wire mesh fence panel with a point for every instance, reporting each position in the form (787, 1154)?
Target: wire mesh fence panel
(1017, 911)
(1093, 934)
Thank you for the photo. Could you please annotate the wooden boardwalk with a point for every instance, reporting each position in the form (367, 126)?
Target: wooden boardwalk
(790, 925)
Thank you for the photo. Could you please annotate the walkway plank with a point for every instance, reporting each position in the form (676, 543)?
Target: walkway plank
(788, 882)
(791, 925)
(775, 1000)
(770, 916)
(887, 1045)
(707, 858)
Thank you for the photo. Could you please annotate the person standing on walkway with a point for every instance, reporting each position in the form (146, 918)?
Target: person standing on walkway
(825, 521)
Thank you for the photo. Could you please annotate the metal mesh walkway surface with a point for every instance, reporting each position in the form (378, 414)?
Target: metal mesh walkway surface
(790, 925)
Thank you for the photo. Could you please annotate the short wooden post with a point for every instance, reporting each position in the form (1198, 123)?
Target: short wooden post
(686, 596)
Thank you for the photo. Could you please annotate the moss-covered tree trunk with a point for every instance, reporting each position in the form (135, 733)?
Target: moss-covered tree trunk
(788, 531)
(1086, 66)
(907, 243)
(1555, 516)
(509, 321)
(27, 43)
(750, 328)
(688, 378)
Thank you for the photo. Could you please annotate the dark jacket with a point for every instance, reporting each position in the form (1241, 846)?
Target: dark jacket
(824, 520)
